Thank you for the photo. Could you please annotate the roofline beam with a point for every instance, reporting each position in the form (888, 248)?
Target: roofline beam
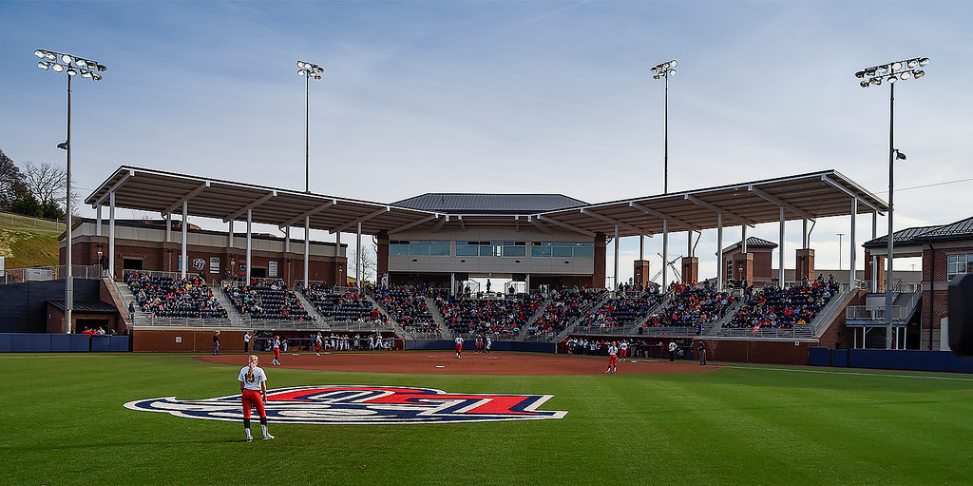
(633, 204)
(462, 224)
(250, 206)
(186, 198)
(414, 224)
(566, 225)
(611, 221)
(311, 212)
(537, 224)
(113, 188)
(851, 194)
(439, 225)
(790, 207)
(362, 219)
(718, 210)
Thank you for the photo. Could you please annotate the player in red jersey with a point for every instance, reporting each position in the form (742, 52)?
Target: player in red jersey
(253, 390)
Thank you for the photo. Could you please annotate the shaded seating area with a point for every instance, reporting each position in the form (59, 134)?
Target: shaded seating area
(783, 309)
(564, 306)
(407, 306)
(340, 305)
(165, 296)
(267, 300)
(692, 305)
(502, 317)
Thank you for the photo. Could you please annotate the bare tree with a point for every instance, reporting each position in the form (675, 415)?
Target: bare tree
(46, 182)
(11, 181)
(367, 254)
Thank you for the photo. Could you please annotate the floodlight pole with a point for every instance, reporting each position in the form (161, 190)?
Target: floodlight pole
(69, 280)
(891, 73)
(308, 70)
(888, 273)
(86, 68)
(663, 71)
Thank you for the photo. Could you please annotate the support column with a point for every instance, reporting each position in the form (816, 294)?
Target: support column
(805, 264)
(665, 255)
(874, 258)
(185, 229)
(382, 255)
(359, 257)
(690, 270)
(338, 280)
(287, 241)
(617, 283)
(780, 252)
(720, 265)
(169, 227)
(249, 256)
(851, 245)
(641, 273)
(307, 250)
(229, 243)
(98, 223)
(111, 235)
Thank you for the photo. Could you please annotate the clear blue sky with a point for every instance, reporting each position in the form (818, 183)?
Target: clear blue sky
(505, 96)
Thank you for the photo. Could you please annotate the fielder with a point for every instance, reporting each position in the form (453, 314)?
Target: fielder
(459, 346)
(612, 358)
(623, 350)
(253, 393)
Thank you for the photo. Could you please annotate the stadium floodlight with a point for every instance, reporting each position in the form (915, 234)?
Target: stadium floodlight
(74, 65)
(309, 71)
(891, 72)
(664, 71)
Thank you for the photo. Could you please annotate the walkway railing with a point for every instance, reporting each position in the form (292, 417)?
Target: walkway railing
(46, 274)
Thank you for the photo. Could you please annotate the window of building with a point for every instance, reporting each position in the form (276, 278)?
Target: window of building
(419, 248)
(957, 265)
(540, 249)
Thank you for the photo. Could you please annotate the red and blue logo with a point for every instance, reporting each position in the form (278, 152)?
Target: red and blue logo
(342, 404)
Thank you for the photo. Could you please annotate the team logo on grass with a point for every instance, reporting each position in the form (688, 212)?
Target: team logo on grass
(361, 405)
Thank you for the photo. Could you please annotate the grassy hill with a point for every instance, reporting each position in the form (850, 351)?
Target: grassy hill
(28, 242)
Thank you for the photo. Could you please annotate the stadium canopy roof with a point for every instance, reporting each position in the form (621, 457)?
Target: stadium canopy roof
(806, 196)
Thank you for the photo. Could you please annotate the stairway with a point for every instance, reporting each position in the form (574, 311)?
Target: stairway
(311, 310)
(235, 317)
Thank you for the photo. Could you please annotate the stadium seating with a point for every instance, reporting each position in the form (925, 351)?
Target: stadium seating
(783, 309)
(267, 300)
(164, 296)
(503, 317)
(692, 305)
(563, 307)
(407, 306)
(340, 305)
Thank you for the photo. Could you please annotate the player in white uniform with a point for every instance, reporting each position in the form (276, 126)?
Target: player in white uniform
(253, 393)
(623, 350)
(612, 358)
(459, 346)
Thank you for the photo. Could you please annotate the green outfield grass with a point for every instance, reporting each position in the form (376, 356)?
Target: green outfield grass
(64, 423)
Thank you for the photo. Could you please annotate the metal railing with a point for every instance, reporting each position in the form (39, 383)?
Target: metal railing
(876, 313)
(46, 274)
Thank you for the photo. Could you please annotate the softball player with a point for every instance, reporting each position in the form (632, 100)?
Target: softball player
(253, 390)
(612, 358)
(459, 346)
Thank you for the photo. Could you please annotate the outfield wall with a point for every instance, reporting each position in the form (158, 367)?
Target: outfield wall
(765, 351)
(891, 359)
(61, 343)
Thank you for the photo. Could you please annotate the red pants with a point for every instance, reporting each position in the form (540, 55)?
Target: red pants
(276, 353)
(459, 347)
(251, 398)
(611, 361)
(623, 352)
